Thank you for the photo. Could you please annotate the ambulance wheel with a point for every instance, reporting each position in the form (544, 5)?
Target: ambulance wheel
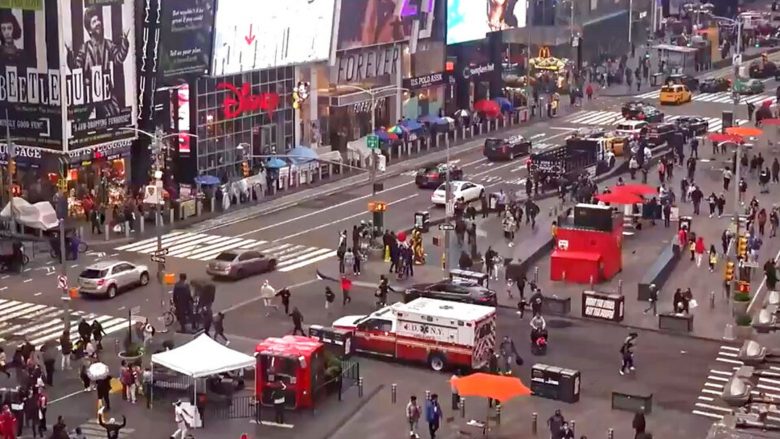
(436, 361)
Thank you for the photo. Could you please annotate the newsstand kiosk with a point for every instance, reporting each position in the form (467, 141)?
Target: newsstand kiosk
(296, 361)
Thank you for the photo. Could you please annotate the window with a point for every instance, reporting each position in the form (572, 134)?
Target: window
(121, 268)
(93, 274)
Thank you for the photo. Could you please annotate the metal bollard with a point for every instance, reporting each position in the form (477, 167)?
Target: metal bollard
(127, 229)
(106, 229)
(498, 414)
(427, 395)
(611, 433)
(573, 425)
(141, 224)
(712, 299)
(462, 407)
(536, 274)
(393, 393)
(620, 286)
(534, 420)
(157, 219)
(360, 387)
(590, 282)
(172, 216)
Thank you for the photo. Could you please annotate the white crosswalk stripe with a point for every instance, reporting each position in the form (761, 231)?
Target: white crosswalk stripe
(721, 97)
(205, 247)
(710, 404)
(41, 323)
(715, 124)
(92, 430)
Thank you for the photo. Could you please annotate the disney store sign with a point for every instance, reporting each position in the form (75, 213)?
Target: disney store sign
(241, 100)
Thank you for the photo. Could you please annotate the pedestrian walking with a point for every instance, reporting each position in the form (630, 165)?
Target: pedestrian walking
(32, 416)
(566, 431)
(346, 287)
(330, 297)
(206, 318)
(97, 334)
(433, 415)
(43, 404)
(85, 332)
(639, 424)
(48, 352)
(775, 171)
(349, 260)
(103, 389)
(627, 354)
(297, 319)
(555, 424)
(413, 416)
(284, 295)
(219, 328)
(713, 258)
(699, 249)
(8, 423)
(183, 421)
(726, 179)
(267, 293)
(113, 427)
(761, 218)
(66, 349)
(742, 189)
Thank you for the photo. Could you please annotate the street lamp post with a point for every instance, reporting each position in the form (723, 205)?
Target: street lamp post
(157, 144)
(10, 151)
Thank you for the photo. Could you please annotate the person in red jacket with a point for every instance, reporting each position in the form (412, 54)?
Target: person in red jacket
(7, 423)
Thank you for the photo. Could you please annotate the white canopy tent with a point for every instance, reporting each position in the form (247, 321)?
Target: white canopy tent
(200, 358)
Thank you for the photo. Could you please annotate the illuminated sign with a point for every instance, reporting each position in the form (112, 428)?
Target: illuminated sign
(244, 101)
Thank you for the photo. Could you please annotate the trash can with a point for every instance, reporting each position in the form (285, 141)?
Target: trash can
(686, 222)
(422, 221)
(654, 79)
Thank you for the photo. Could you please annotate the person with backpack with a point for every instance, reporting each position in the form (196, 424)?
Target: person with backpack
(433, 415)
(413, 416)
(627, 354)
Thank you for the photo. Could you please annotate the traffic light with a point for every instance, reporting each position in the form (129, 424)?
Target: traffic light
(729, 275)
(742, 246)
(12, 166)
(245, 168)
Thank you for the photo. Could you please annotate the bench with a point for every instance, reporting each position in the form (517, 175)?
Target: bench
(632, 398)
(556, 305)
(670, 321)
(659, 272)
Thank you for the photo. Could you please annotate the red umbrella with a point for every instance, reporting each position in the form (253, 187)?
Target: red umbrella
(636, 189)
(619, 198)
(745, 131)
(401, 236)
(723, 137)
(488, 107)
(769, 122)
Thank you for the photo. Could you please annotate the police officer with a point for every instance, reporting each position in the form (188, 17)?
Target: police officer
(278, 398)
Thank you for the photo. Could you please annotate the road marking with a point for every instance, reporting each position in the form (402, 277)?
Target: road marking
(726, 360)
(27, 280)
(729, 348)
(3, 289)
(707, 414)
(713, 407)
(38, 294)
(5, 277)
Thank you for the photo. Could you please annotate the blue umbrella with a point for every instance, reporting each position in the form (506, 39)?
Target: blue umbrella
(206, 180)
(411, 125)
(302, 154)
(382, 134)
(429, 118)
(504, 104)
(275, 163)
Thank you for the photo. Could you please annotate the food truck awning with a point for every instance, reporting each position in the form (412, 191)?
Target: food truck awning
(203, 357)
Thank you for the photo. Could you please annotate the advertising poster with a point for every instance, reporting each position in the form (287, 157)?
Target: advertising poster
(185, 37)
(364, 23)
(469, 20)
(101, 71)
(30, 82)
(280, 33)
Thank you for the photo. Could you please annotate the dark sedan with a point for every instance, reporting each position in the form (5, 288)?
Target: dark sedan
(641, 111)
(434, 176)
(715, 85)
(238, 264)
(456, 291)
(686, 80)
(762, 69)
(692, 126)
(507, 149)
(660, 133)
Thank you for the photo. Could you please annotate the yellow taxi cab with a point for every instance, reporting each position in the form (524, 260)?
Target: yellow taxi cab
(675, 94)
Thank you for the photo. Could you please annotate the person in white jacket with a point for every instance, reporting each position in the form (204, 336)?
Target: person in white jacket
(267, 293)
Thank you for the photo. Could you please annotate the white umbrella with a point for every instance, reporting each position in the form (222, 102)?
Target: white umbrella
(97, 371)
(448, 119)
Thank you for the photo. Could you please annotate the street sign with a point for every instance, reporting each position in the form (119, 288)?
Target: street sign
(62, 281)
(135, 310)
(736, 59)
(450, 208)
(158, 259)
(372, 141)
(446, 226)
(161, 252)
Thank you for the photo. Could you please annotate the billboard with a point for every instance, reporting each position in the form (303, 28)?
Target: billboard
(100, 84)
(266, 34)
(364, 23)
(185, 37)
(469, 20)
(30, 90)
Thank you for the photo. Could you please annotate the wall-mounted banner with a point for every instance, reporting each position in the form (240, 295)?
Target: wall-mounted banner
(29, 73)
(186, 37)
(101, 79)
(262, 34)
(364, 23)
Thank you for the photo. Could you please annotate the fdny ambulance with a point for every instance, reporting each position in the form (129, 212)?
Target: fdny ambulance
(440, 333)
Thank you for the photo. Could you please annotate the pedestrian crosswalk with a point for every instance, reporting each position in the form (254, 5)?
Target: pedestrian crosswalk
(205, 247)
(41, 323)
(715, 124)
(722, 97)
(93, 430)
(709, 403)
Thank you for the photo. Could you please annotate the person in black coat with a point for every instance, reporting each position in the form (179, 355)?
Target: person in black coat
(112, 427)
(182, 300)
(639, 425)
(103, 389)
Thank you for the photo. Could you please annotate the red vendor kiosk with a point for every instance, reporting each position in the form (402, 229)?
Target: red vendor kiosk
(298, 362)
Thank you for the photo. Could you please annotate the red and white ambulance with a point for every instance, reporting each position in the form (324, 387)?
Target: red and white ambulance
(440, 333)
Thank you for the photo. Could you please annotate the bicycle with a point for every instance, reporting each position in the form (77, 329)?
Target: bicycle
(169, 315)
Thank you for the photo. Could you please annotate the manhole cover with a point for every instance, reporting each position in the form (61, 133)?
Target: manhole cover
(555, 323)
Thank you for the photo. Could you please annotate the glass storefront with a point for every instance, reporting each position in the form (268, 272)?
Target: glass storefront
(261, 122)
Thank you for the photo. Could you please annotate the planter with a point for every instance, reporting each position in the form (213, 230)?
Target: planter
(744, 332)
(739, 308)
(130, 358)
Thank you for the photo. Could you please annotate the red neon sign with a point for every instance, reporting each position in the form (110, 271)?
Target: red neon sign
(245, 102)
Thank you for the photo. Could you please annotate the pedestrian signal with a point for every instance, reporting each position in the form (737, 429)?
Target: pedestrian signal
(742, 246)
(729, 275)
(245, 169)
(12, 167)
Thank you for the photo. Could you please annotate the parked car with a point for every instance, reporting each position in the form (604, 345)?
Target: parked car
(237, 264)
(715, 85)
(769, 40)
(507, 148)
(692, 125)
(748, 86)
(632, 128)
(641, 111)
(762, 69)
(675, 94)
(434, 176)
(456, 291)
(686, 80)
(660, 133)
(459, 189)
(107, 278)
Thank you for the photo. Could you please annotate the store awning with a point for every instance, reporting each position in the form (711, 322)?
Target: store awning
(351, 96)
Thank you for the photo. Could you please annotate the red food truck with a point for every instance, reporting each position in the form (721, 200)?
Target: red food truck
(298, 362)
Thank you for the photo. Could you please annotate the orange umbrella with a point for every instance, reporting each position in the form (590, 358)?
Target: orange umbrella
(745, 131)
(499, 387)
(723, 137)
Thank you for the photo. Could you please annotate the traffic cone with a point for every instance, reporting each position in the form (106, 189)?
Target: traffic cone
(728, 334)
(387, 253)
